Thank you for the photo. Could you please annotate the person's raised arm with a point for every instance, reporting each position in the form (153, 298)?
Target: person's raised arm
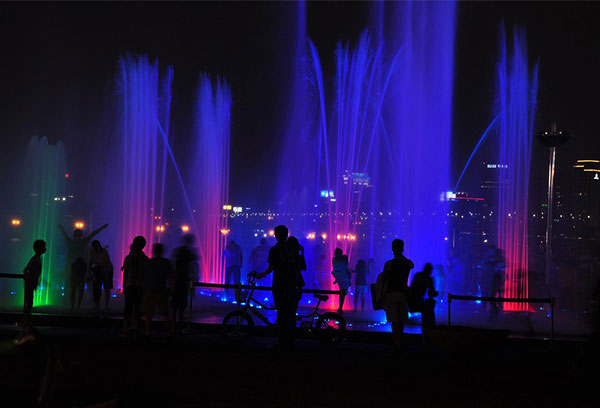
(96, 232)
(64, 233)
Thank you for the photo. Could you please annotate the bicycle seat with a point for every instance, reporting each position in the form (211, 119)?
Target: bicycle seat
(322, 298)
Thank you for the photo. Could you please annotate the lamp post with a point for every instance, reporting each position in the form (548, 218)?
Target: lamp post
(552, 139)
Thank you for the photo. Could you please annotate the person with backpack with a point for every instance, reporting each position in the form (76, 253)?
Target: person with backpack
(392, 288)
(283, 262)
(342, 275)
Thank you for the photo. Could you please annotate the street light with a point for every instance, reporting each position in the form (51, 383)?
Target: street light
(552, 139)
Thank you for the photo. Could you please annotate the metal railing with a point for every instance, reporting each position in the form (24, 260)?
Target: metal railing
(550, 301)
(12, 275)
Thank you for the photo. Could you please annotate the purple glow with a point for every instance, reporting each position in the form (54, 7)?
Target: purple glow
(517, 95)
(210, 173)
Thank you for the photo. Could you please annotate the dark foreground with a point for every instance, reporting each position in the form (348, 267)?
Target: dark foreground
(95, 366)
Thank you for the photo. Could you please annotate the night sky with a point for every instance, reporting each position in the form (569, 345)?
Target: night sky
(59, 64)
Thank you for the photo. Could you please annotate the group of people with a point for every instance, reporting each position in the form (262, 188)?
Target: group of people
(148, 282)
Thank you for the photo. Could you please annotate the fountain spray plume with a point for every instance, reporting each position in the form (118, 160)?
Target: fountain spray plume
(517, 99)
(145, 102)
(211, 173)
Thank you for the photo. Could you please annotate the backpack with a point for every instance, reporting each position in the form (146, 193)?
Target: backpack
(378, 290)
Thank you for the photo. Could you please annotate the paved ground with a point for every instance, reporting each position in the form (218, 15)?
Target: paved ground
(95, 365)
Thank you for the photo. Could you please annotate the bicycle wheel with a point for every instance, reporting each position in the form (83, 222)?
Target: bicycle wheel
(237, 326)
(331, 327)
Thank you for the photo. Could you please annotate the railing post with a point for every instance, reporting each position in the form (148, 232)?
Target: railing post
(552, 303)
(191, 304)
(449, 309)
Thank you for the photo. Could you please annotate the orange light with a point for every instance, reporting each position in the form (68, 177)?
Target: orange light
(79, 225)
(160, 228)
(225, 231)
(324, 236)
(271, 233)
(15, 221)
(270, 217)
(311, 235)
(185, 228)
(340, 237)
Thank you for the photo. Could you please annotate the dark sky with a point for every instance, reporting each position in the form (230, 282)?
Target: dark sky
(59, 63)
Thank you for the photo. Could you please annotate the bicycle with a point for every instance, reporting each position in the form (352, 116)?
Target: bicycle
(238, 325)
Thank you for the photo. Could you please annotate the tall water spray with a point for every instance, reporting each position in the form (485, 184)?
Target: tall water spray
(517, 96)
(210, 172)
(145, 108)
(44, 174)
(417, 130)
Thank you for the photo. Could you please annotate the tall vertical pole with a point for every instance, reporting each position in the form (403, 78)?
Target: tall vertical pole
(551, 165)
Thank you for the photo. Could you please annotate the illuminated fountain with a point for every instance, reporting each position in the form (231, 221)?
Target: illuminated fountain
(210, 174)
(44, 178)
(145, 113)
(517, 96)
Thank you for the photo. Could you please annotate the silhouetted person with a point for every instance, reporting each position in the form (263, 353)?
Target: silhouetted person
(233, 263)
(259, 256)
(76, 253)
(395, 301)
(361, 288)
(342, 275)
(297, 250)
(322, 272)
(31, 276)
(492, 277)
(185, 266)
(156, 274)
(133, 269)
(421, 285)
(101, 269)
(283, 263)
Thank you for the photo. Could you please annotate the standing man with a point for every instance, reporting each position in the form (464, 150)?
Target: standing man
(31, 275)
(76, 253)
(101, 269)
(233, 263)
(395, 300)
(283, 263)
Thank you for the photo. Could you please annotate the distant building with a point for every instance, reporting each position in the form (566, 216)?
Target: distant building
(586, 191)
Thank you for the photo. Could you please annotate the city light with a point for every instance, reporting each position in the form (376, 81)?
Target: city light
(311, 235)
(15, 221)
(160, 228)
(79, 225)
(185, 228)
(225, 231)
(237, 210)
(324, 236)
(271, 233)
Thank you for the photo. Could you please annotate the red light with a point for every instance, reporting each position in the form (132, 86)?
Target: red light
(66, 175)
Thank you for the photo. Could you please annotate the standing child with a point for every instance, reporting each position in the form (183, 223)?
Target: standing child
(31, 275)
